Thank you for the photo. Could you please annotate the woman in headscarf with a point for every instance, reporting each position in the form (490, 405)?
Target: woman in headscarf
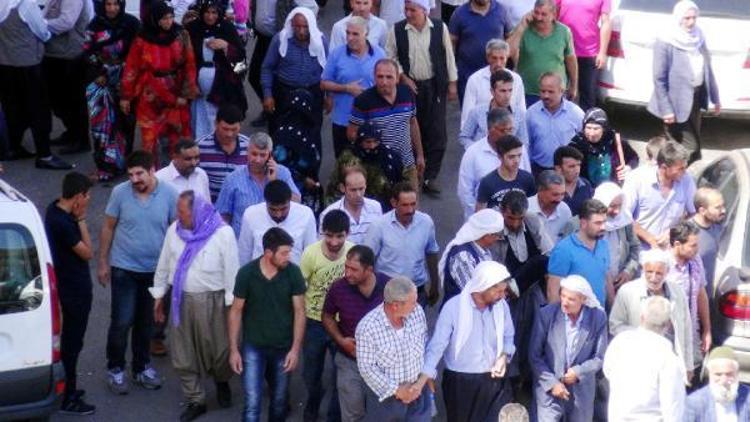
(683, 79)
(624, 246)
(106, 46)
(217, 48)
(159, 76)
(601, 160)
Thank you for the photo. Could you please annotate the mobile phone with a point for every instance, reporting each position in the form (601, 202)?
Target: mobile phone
(265, 166)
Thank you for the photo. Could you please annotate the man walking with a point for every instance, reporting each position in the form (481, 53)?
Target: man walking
(183, 172)
(549, 206)
(224, 150)
(362, 211)
(710, 212)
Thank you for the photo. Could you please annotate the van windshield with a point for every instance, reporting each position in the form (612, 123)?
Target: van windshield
(736, 9)
(21, 287)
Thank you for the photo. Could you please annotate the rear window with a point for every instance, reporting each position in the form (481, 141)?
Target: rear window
(21, 287)
(737, 9)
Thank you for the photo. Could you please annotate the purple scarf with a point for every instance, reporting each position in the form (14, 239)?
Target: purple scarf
(205, 223)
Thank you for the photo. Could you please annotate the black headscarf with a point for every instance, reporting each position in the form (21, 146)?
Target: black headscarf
(152, 32)
(121, 27)
(597, 116)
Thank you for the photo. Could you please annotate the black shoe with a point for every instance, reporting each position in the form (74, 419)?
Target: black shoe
(431, 187)
(260, 121)
(53, 162)
(75, 149)
(76, 406)
(19, 153)
(192, 412)
(223, 394)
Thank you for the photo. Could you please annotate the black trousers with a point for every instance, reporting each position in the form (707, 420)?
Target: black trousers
(340, 141)
(75, 319)
(588, 76)
(23, 95)
(67, 94)
(259, 53)
(688, 133)
(474, 397)
(431, 119)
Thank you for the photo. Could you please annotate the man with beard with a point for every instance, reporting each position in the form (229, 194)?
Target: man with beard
(183, 172)
(278, 210)
(361, 211)
(584, 253)
(710, 212)
(724, 398)
(549, 206)
(137, 217)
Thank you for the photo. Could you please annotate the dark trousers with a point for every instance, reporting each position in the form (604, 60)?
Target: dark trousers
(393, 410)
(317, 343)
(474, 397)
(23, 95)
(75, 318)
(688, 133)
(431, 119)
(259, 53)
(67, 95)
(588, 76)
(446, 11)
(132, 312)
(340, 141)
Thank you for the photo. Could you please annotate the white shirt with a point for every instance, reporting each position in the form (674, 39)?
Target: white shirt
(645, 378)
(554, 223)
(299, 223)
(478, 92)
(478, 161)
(377, 32)
(213, 269)
(371, 211)
(197, 181)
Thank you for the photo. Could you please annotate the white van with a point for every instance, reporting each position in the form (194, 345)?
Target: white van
(31, 372)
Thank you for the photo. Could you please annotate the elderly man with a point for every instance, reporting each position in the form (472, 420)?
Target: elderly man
(422, 47)
(566, 352)
(375, 27)
(390, 351)
(541, 44)
(199, 260)
(224, 150)
(469, 248)
(244, 186)
(552, 122)
(348, 72)
(481, 158)
(710, 212)
(478, 87)
(183, 172)
(474, 336)
(645, 376)
(724, 398)
(549, 206)
(362, 212)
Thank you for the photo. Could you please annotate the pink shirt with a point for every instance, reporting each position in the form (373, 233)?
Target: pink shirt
(582, 17)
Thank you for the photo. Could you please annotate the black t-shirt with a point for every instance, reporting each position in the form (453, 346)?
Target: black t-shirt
(73, 274)
(492, 187)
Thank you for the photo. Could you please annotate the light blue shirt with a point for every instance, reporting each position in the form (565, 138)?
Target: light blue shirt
(29, 12)
(377, 32)
(402, 250)
(475, 126)
(572, 337)
(549, 131)
(478, 354)
(241, 191)
(141, 225)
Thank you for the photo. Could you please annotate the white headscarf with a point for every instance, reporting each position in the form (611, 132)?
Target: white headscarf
(606, 193)
(578, 284)
(424, 4)
(676, 35)
(486, 275)
(482, 222)
(6, 6)
(315, 47)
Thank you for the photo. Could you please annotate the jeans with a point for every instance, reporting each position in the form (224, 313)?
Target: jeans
(264, 363)
(317, 343)
(75, 312)
(132, 307)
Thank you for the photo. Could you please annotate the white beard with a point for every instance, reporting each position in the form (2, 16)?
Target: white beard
(724, 394)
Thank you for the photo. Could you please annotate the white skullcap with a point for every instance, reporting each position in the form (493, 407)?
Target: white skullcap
(424, 4)
(655, 256)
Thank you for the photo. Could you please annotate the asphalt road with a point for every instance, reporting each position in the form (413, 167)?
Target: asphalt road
(42, 186)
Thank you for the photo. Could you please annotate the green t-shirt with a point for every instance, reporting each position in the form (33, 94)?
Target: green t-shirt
(320, 272)
(268, 315)
(538, 54)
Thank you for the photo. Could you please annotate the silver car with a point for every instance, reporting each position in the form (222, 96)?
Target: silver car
(730, 304)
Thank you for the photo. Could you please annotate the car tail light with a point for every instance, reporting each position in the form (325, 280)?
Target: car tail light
(735, 305)
(614, 49)
(56, 315)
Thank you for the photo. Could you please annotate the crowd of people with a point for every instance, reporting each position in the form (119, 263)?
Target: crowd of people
(578, 285)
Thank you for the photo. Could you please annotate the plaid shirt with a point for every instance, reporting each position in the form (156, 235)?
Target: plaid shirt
(386, 359)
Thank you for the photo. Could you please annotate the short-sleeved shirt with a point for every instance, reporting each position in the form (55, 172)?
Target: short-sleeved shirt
(343, 67)
(141, 225)
(393, 120)
(492, 187)
(708, 248)
(217, 163)
(73, 274)
(350, 305)
(319, 273)
(549, 131)
(268, 314)
(582, 17)
(571, 256)
(538, 54)
(583, 191)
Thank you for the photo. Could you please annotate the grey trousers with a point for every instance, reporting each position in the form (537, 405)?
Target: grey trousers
(352, 388)
(199, 345)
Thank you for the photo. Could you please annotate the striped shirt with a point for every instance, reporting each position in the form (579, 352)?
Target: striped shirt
(298, 68)
(371, 211)
(217, 163)
(392, 119)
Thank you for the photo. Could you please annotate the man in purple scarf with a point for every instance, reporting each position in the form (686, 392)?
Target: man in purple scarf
(199, 260)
